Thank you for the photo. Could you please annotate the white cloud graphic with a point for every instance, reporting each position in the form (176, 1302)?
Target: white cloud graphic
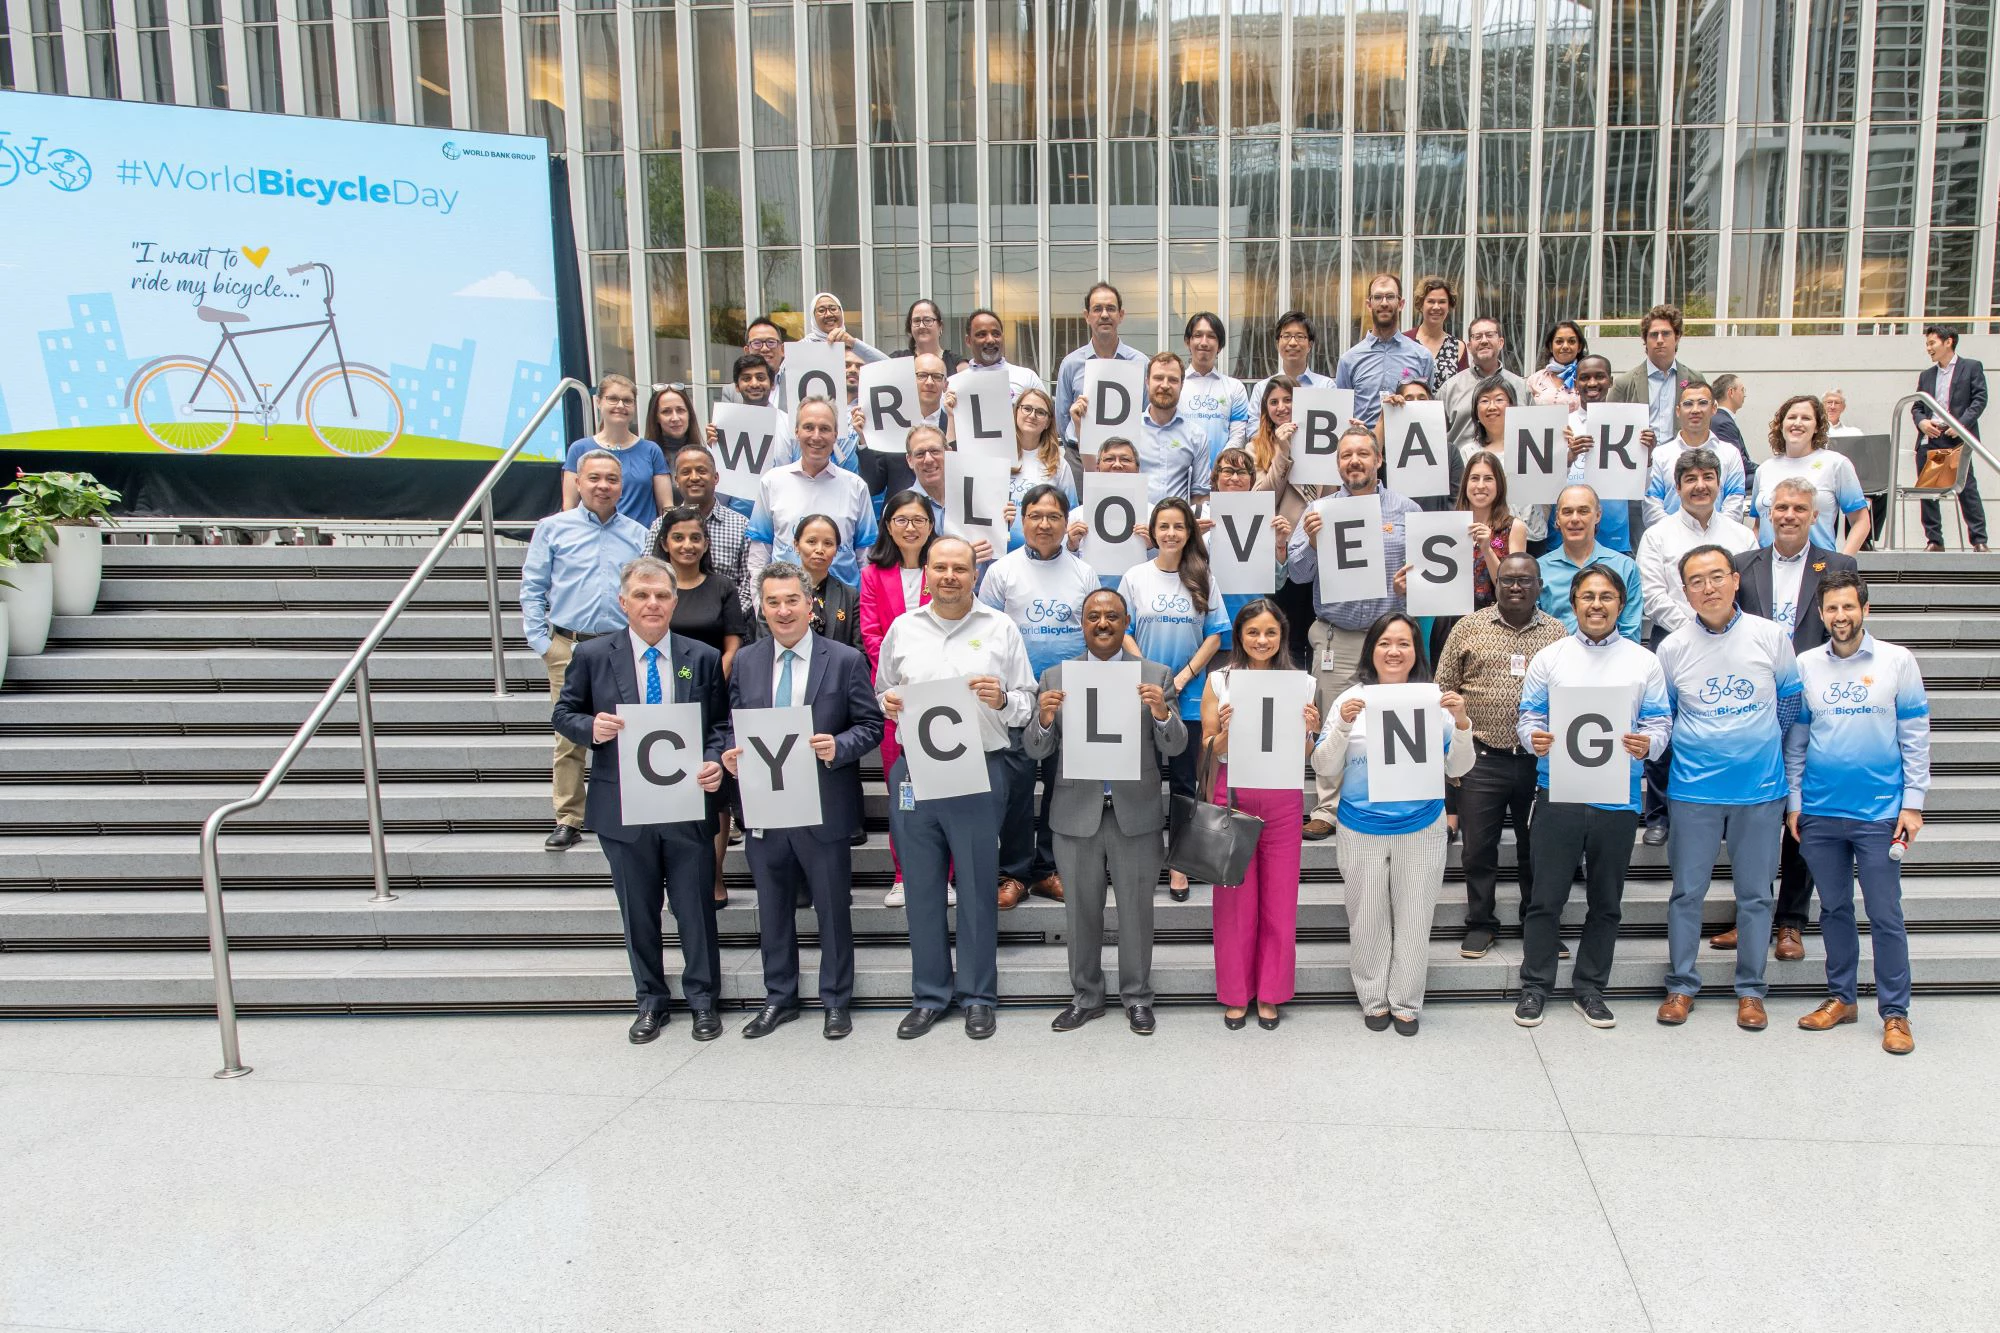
(502, 286)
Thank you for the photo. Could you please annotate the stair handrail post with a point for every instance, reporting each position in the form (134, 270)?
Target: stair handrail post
(493, 599)
(1899, 416)
(353, 673)
(371, 785)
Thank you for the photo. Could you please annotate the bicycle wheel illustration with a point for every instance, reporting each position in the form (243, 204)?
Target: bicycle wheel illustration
(185, 406)
(358, 428)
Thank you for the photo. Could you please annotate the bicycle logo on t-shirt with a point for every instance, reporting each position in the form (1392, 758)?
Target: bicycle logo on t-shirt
(1847, 692)
(1731, 686)
(1044, 608)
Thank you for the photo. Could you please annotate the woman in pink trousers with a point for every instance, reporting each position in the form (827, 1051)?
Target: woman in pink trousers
(892, 582)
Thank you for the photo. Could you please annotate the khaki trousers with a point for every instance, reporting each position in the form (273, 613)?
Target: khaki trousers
(1330, 681)
(569, 757)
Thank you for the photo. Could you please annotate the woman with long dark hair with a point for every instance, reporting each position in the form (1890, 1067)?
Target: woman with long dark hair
(1555, 383)
(671, 421)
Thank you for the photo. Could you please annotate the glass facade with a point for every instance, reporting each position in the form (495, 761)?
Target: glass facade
(1813, 166)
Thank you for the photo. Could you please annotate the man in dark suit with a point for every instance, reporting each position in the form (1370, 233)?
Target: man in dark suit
(1781, 582)
(1959, 383)
(652, 862)
(793, 666)
(1110, 833)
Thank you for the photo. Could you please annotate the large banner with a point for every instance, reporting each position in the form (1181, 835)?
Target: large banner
(182, 282)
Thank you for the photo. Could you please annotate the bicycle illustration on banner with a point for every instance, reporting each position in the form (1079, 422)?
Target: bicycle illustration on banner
(191, 404)
(67, 169)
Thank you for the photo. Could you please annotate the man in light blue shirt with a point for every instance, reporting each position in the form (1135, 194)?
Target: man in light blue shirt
(569, 593)
(1216, 402)
(1576, 515)
(1104, 309)
(1385, 359)
(1296, 340)
(1173, 451)
(1857, 765)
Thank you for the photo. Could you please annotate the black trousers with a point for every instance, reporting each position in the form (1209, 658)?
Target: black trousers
(1970, 507)
(1795, 886)
(1027, 849)
(783, 861)
(1566, 836)
(1296, 601)
(668, 865)
(1500, 786)
(1182, 769)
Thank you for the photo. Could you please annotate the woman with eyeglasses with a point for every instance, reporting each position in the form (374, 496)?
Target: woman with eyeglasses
(924, 325)
(829, 325)
(647, 480)
(1235, 471)
(892, 583)
(1271, 463)
(1039, 458)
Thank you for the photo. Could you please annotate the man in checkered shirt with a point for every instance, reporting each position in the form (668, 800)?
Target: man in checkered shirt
(694, 482)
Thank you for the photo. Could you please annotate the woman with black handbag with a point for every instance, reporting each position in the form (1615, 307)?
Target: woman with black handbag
(1256, 921)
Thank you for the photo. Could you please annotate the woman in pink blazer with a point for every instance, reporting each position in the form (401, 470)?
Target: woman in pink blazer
(892, 582)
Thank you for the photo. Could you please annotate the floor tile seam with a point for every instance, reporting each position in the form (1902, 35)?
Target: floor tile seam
(262, 1080)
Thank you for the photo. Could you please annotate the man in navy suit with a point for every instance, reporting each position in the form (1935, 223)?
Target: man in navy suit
(652, 862)
(792, 667)
(1959, 383)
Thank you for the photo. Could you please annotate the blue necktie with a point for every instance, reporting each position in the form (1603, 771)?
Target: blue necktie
(785, 660)
(652, 675)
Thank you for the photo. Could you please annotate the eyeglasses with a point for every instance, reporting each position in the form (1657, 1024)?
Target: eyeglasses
(1232, 472)
(675, 385)
(1706, 582)
(1516, 580)
(762, 344)
(929, 377)
(1293, 338)
(923, 322)
(909, 522)
(1033, 413)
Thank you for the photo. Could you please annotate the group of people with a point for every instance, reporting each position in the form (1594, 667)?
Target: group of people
(1725, 602)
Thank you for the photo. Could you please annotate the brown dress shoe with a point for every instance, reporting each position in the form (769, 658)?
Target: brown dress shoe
(1791, 945)
(1048, 887)
(1896, 1038)
(1316, 829)
(1726, 940)
(1674, 1012)
(1830, 1014)
(1750, 1015)
(1011, 893)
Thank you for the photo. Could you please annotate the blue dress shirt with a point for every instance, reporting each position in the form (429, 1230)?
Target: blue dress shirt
(1375, 366)
(570, 575)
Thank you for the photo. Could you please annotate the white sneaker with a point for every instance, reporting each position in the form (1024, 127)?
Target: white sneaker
(894, 897)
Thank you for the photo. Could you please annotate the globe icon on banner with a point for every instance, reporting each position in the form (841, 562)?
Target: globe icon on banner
(70, 168)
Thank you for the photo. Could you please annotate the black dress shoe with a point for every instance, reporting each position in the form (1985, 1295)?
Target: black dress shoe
(707, 1025)
(1141, 1016)
(917, 1022)
(1235, 1024)
(1655, 835)
(838, 1025)
(979, 1021)
(1072, 1018)
(1270, 1024)
(563, 838)
(859, 839)
(1178, 895)
(768, 1020)
(647, 1026)
(1377, 1022)
(1406, 1027)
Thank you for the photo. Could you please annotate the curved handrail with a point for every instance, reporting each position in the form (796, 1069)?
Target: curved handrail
(355, 673)
(1899, 417)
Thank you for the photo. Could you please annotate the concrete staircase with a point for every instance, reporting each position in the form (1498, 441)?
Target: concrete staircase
(201, 661)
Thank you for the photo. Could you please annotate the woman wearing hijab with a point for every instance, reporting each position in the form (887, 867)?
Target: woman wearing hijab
(829, 325)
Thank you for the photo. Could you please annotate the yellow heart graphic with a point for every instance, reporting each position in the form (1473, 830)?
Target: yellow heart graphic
(257, 256)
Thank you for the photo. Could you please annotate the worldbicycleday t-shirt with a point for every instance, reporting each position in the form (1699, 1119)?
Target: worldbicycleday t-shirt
(1729, 692)
(1166, 626)
(1858, 714)
(1577, 661)
(1044, 599)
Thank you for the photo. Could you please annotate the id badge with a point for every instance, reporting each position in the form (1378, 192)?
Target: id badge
(1327, 658)
(1517, 665)
(906, 796)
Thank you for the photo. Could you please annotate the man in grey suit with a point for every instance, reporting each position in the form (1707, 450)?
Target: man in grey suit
(1656, 382)
(1109, 833)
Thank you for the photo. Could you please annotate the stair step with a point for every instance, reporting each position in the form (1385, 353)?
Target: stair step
(261, 671)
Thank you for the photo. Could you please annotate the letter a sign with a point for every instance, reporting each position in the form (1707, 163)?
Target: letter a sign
(658, 753)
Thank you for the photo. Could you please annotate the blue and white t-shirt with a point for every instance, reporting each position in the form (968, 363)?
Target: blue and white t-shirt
(1166, 625)
(1861, 748)
(791, 494)
(1044, 599)
(1838, 490)
(1219, 405)
(1356, 812)
(1733, 695)
(1581, 661)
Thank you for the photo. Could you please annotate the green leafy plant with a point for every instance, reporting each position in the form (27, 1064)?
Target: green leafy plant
(63, 498)
(25, 536)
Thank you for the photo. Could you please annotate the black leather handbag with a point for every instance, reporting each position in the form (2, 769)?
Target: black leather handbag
(1209, 842)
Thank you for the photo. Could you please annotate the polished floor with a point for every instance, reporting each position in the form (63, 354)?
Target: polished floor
(540, 1173)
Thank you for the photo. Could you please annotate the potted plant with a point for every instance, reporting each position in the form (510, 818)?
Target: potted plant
(25, 540)
(5, 585)
(75, 502)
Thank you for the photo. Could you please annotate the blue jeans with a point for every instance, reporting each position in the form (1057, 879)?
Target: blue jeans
(1695, 833)
(1835, 848)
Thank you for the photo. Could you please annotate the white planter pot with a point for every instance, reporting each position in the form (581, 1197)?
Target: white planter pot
(78, 561)
(29, 606)
(3, 640)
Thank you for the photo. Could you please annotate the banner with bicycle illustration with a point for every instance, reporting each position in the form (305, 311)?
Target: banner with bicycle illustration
(188, 282)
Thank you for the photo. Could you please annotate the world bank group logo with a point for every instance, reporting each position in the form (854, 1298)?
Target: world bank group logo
(64, 169)
(451, 151)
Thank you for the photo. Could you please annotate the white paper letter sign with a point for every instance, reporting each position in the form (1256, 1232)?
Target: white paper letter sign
(1321, 414)
(975, 492)
(1115, 507)
(939, 731)
(1415, 440)
(778, 773)
(1351, 562)
(982, 414)
(1405, 738)
(1587, 762)
(1617, 463)
(888, 402)
(1267, 729)
(1114, 394)
(1242, 549)
(749, 435)
(1440, 556)
(1537, 457)
(658, 753)
(817, 370)
(1103, 722)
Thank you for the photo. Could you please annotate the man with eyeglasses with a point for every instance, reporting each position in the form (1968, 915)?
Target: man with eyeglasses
(924, 454)
(765, 341)
(1116, 455)
(986, 341)
(1697, 410)
(1296, 339)
(887, 474)
(1733, 683)
(1485, 658)
(1657, 380)
(1104, 309)
(1385, 359)
(1216, 402)
(1484, 343)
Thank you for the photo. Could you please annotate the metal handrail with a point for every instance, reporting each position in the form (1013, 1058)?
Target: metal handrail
(1899, 417)
(355, 672)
